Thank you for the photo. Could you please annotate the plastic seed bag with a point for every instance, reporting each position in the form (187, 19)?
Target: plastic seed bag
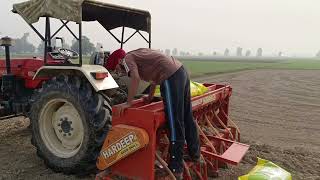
(266, 170)
(196, 89)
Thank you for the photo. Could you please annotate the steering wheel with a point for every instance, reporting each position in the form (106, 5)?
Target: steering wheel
(68, 53)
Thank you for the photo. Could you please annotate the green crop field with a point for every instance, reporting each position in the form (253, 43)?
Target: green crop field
(200, 68)
(205, 66)
(208, 67)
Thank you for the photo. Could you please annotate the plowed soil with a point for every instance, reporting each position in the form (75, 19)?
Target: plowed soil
(278, 112)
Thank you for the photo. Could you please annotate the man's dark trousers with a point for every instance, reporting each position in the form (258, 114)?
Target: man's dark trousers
(175, 92)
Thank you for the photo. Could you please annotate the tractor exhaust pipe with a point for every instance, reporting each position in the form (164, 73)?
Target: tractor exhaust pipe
(7, 42)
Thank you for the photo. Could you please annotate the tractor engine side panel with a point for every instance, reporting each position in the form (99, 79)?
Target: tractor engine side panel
(24, 69)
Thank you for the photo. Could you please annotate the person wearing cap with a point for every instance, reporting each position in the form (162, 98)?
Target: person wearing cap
(158, 69)
(114, 59)
(98, 57)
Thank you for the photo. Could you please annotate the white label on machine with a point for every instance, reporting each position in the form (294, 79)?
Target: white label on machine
(204, 100)
(122, 147)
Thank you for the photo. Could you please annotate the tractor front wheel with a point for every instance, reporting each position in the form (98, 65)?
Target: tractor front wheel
(69, 124)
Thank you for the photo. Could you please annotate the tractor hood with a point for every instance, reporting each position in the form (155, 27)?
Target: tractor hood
(108, 15)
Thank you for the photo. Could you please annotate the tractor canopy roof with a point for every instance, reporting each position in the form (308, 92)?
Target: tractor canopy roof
(108, 15)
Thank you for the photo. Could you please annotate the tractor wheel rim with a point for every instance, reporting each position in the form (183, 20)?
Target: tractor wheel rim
(61, 128)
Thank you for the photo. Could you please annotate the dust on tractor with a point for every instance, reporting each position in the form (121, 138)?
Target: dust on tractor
(70, 104)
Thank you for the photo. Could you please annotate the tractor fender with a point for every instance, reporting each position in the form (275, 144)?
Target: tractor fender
(86, 70)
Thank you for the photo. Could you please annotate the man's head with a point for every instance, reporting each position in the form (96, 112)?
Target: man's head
(114, 59)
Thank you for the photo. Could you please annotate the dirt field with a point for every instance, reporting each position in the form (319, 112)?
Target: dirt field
(278, 112)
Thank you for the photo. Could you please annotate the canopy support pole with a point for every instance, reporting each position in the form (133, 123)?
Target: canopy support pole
(47, 40)
(113, 36)
(130, 37)
(35, 30)
(63, 25)
(145, 37)
(122, 36)
(70, 31)
(80, 44)
(149, 40)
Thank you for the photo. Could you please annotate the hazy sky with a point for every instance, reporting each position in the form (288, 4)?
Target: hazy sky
(291, 26)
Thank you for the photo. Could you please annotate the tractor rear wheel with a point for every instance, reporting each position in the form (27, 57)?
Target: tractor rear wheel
(69, 124)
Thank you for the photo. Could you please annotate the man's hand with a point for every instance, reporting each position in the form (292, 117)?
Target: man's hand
(147, 99)
(123, 108)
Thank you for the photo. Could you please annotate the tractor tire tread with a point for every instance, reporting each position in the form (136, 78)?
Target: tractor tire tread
(92, 109)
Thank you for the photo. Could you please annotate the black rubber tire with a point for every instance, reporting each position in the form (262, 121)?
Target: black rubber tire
(95, 115)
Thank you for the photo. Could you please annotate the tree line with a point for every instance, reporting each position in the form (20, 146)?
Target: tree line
(23, 46)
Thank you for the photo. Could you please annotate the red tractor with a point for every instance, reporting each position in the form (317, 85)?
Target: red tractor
(68, 102)
(71, 104)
